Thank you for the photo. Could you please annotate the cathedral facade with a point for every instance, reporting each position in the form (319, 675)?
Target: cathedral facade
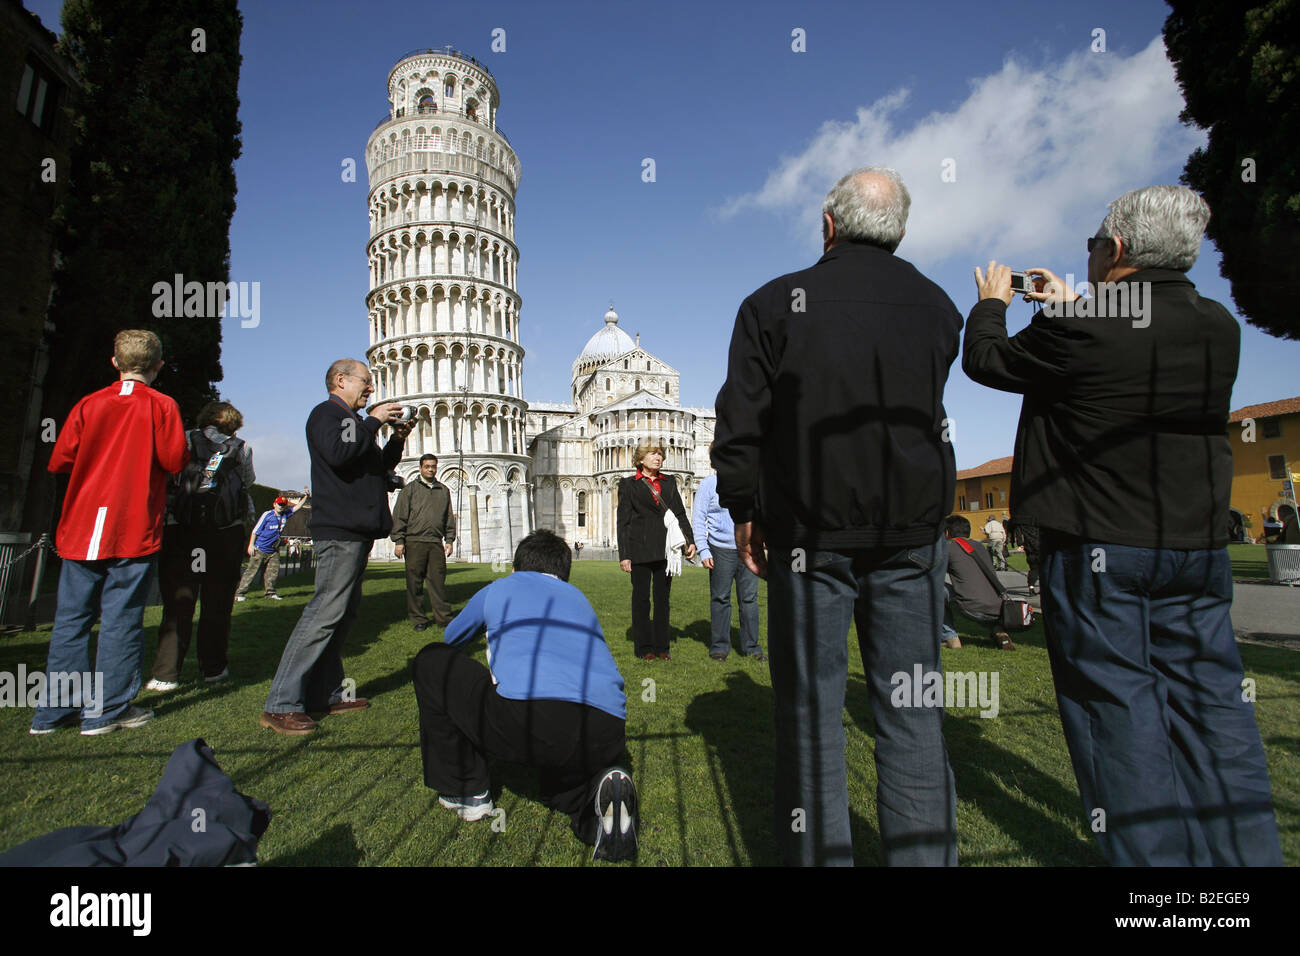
(621, 395)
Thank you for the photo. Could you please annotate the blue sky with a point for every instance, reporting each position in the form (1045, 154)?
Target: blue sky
(747, 135)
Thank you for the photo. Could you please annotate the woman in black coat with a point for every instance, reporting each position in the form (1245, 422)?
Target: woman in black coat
(643, 500)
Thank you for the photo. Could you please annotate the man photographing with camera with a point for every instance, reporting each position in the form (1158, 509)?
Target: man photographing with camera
(1123, 462)
(349, 481)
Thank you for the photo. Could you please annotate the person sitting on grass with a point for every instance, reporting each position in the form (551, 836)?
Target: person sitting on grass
(971, 571)
(553, 700)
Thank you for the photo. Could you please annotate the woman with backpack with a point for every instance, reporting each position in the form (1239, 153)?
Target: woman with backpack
(203, 546)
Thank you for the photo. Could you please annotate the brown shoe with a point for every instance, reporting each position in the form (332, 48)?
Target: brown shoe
(344, 706)
(664, 656)
(294, 725)
(1004, 641)
(648, 657)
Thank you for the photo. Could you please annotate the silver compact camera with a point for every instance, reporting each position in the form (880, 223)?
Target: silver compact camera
(408, 412)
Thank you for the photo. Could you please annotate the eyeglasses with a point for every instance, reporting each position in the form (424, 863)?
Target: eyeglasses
(1093, 240)
(367, 381)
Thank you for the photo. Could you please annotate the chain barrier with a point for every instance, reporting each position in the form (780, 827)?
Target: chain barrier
(42, 541)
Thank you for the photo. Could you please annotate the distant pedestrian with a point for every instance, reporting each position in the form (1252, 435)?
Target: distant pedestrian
(645, 548)
(264, 547)
(997, 539)
(716, 534)
(424, 529)
(119, 444)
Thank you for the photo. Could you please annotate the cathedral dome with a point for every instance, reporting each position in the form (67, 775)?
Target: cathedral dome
(610, 342)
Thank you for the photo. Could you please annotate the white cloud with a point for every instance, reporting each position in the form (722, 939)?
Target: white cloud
(1038, 155)
(281, 461)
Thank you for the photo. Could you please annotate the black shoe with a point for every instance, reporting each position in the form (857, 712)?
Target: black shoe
(616, 817)
(759, 656)
(422, 625)
(718, 657)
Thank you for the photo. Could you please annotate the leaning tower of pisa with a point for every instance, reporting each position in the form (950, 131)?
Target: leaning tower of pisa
(444, 313)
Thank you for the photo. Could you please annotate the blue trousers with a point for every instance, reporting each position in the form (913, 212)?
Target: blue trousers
(114, 591)
(895, 597)
(1149, 682)
(728, 567)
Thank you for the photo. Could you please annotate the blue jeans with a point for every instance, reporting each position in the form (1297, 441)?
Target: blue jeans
(727, 566)
(895, 596)
(1149, 682)
(310, 675)
(114, 590)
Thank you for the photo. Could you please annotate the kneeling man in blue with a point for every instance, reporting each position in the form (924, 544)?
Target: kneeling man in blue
(553, 699)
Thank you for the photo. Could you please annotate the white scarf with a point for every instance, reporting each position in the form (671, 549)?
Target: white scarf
(675, 541)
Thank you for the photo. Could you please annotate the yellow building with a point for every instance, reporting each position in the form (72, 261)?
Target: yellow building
(984, 490)
(1265, 445)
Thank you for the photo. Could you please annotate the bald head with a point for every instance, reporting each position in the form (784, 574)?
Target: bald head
(868, 205)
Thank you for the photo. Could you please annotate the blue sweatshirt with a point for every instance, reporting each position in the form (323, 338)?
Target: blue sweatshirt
(712, 523)
(544, 642)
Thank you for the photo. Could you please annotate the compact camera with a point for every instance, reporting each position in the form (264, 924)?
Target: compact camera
(408, 412)
(1022, 282)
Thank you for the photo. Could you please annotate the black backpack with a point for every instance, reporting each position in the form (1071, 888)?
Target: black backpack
(207, 500)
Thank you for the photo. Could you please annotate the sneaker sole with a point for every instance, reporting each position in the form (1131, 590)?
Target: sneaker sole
(121, 725)
(469, 814)
(616, 803)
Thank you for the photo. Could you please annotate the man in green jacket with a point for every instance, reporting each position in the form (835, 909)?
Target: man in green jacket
(424, 527)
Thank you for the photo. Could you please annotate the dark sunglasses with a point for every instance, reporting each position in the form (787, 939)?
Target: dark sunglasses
(1093, 240)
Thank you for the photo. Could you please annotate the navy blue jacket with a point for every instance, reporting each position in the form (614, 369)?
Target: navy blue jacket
(163, 833)
(349, 474)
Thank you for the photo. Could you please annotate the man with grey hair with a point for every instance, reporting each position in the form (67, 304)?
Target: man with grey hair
(349, 489)
(1123, 463)
(831, 448)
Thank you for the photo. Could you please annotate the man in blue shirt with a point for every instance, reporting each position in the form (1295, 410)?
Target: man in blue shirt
(264, 547)
(716, 534)
(553, 699)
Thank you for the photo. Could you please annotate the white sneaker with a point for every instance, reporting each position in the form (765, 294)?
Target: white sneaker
(469, 808)
(132, 717)
(217, 677)
(275, 597)
(162, 686)
(241, 599)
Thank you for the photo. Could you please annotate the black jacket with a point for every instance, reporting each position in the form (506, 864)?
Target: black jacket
(831, 426)
(349, 483)
(1123, 430)
(642, 536)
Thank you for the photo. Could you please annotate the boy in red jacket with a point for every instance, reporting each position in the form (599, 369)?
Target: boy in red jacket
(119, 444)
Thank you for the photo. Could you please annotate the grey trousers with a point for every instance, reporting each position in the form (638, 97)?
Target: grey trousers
(310, 675)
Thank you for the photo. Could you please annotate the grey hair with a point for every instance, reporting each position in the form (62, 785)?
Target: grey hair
(341, 367)
(867, 211)
(1161, 226)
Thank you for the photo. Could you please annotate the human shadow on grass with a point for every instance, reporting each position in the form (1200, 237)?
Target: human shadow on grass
(736, 724)
(337, 846)
(984, 772)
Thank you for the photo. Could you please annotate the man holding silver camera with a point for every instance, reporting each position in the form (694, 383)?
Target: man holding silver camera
(349, 481)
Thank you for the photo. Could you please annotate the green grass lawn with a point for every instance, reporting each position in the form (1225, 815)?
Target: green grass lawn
(701, 748)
